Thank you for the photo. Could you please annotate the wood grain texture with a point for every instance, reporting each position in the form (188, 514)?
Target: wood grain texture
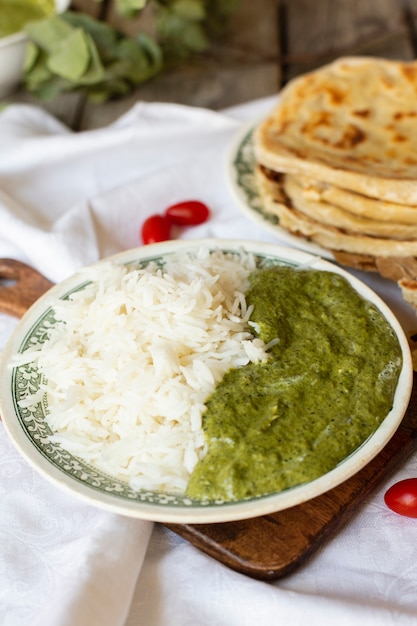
(20, 287)
(318, 32)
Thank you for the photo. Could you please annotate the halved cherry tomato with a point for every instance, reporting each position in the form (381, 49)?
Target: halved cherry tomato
(188, 213)
(402, 497)
(156, 228)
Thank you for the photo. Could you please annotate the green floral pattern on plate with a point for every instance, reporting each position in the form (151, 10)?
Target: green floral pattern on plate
(244, 164)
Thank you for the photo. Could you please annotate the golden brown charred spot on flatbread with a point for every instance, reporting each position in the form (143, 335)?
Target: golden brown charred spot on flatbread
(397, 135)
(352, 136)
(321, 127)
(337, 96)
(362, 113)
(409, 72)
(405, 114)
(276, 177)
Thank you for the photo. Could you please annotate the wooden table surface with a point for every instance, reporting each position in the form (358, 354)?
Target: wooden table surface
(267, 43)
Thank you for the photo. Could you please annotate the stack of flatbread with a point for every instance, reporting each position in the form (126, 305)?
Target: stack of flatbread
(337, 164)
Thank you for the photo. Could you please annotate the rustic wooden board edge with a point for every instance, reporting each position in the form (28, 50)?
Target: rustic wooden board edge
(24, 285)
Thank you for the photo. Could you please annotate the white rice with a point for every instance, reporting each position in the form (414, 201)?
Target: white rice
(138, 353)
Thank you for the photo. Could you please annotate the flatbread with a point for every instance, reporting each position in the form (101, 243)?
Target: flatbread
(352, 123)
(277, 202)
(332, 215)
(409, 290)
(358, 204)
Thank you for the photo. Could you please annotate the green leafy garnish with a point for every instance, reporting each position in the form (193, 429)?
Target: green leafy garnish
(130, 8)
(74, 52)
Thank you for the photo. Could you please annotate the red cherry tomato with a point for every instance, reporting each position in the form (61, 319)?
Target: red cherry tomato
(402, 497)
(188, 213)
(156, 228)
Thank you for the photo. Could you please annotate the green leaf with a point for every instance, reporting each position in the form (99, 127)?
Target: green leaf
(152, 49)
(38, 73)
(95, 71)
(104, 36)
(73, 51)
(31, 56)
(53, 88)
(180, 35)
(130, 8)
(218, 15)
(127, 71)
(135, 63)
(109, 89)
(48, 33)
(71, 58)
(191, 10)
(40, 81)
(194, 38)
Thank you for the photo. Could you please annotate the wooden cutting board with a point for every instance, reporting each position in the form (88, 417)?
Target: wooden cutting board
(271, 546)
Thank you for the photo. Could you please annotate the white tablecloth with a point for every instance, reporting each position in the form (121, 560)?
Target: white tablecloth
(67, 200)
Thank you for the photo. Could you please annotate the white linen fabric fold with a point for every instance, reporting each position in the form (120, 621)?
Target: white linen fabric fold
(66, 200)
(49, 178)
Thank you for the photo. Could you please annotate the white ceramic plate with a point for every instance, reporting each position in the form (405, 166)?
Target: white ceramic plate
(29, 431)
(241, 178)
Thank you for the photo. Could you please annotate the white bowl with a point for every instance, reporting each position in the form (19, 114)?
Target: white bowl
(30, 433)
(12, 56)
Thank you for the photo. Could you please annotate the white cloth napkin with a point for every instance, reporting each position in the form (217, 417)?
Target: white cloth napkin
(66, 200)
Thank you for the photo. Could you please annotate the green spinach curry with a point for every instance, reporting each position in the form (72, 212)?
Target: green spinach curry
(328, 384)
(16, 13)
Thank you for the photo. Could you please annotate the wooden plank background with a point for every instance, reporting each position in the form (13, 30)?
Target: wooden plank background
(267, 43)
